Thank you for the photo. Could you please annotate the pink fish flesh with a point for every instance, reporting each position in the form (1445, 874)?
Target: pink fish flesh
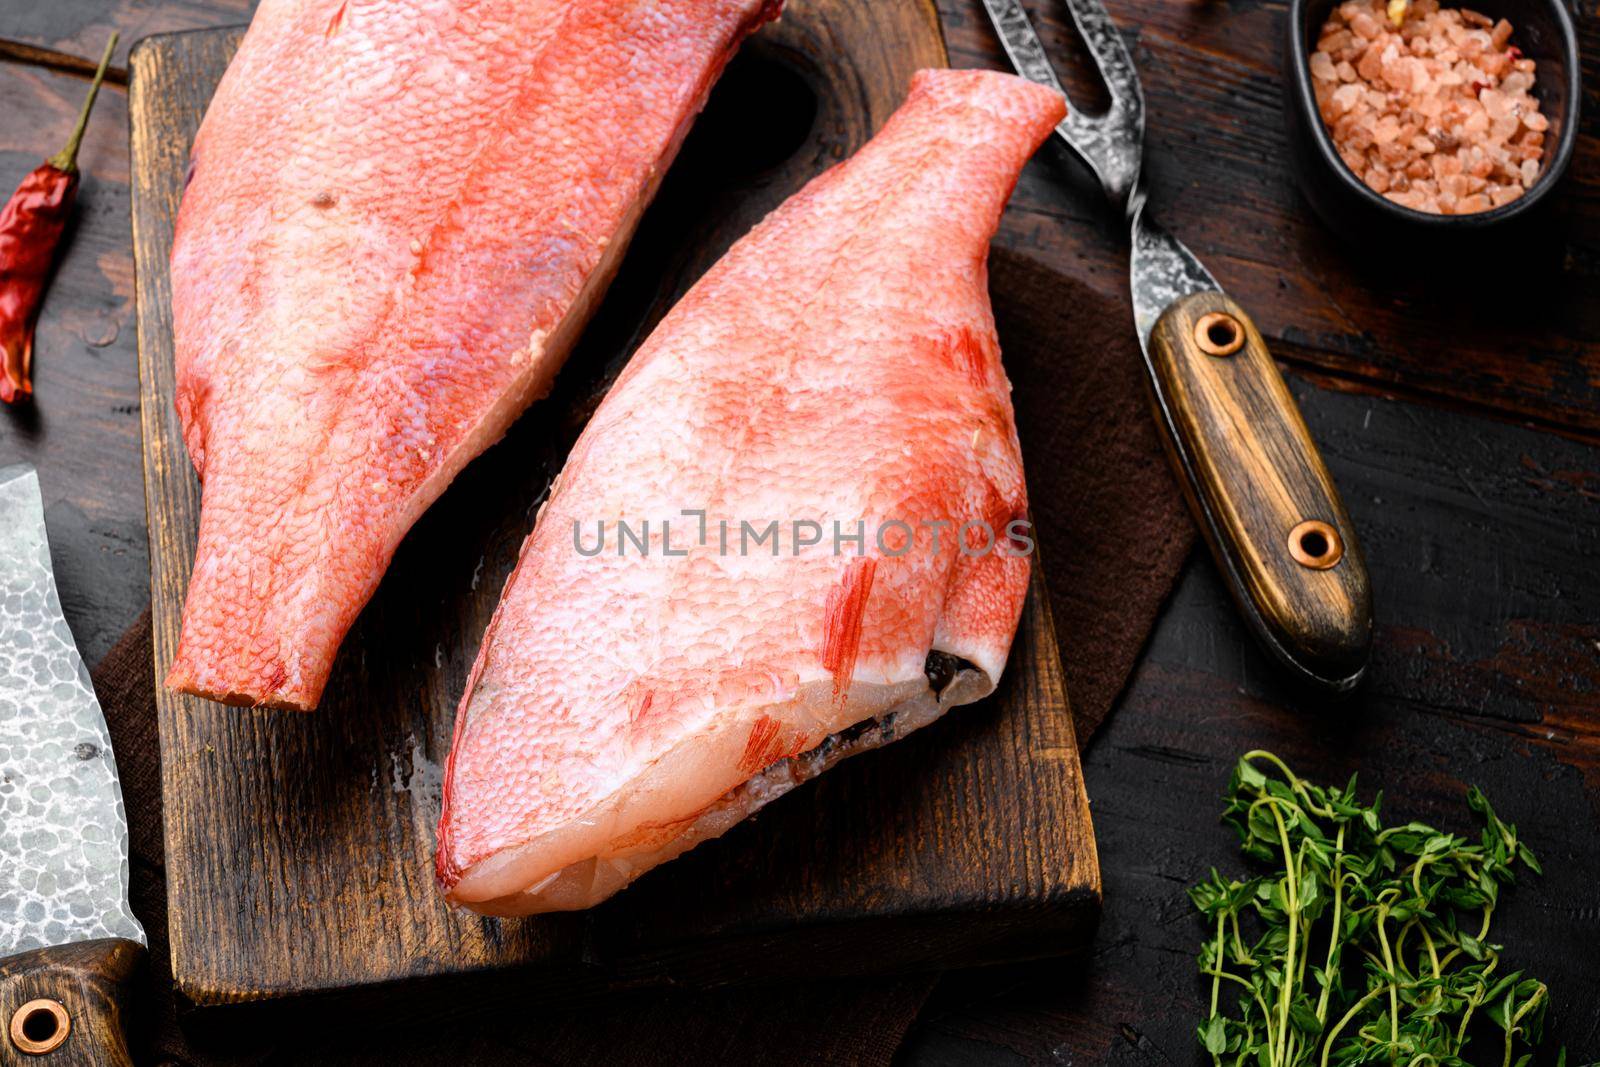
(839, 364)
(400, 216)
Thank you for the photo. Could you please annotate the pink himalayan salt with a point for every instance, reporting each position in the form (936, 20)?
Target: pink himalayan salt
(1437, 115)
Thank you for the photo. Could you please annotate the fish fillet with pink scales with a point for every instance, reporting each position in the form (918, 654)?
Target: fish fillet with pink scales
(840, 364)
(400, 215)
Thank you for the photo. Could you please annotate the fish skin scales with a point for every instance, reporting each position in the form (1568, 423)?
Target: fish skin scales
(400, 214)
(839, 362)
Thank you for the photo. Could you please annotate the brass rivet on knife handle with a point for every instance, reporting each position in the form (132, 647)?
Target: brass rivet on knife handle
(40, 1026)
(1218, 334)
(1260, 491)
(68, 1003)
(1315, 544)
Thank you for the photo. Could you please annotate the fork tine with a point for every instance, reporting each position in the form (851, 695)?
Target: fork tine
(1111, 58)
(1110, 143)
(1022, 44)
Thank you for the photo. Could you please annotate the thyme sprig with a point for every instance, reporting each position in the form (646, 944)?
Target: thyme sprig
(1368, 944)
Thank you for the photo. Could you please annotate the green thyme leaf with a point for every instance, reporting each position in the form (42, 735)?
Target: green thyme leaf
(1360, 943)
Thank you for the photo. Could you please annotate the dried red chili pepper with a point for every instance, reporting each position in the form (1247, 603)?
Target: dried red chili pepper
(31, 225)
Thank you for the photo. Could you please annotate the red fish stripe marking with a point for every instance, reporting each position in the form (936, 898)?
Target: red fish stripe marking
(758, 750)
(971, 355)
(841, 633)
(337, 21)
(280, 675)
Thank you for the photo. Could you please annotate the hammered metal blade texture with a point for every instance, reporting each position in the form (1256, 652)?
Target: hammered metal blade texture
(1111, 143)
(1161, 270)
(63, 831)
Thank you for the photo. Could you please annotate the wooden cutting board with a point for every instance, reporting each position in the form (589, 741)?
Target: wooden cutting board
(300, 847)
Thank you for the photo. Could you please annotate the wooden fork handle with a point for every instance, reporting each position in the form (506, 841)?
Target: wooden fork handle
(1259, 489)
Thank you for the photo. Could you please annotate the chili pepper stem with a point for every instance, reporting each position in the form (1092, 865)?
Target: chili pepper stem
(67, 159)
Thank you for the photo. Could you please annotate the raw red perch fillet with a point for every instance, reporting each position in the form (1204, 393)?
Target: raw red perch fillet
(401, 214)
(838, 364)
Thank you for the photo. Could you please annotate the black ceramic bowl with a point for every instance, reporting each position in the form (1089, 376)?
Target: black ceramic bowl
(1542, 29)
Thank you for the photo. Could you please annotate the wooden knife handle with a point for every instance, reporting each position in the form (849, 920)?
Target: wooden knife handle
(66, 1005)
(1260, 491)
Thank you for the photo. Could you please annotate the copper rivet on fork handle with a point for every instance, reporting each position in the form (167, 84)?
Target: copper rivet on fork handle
(1218, 334)
(39, 1026)
(1316, 545)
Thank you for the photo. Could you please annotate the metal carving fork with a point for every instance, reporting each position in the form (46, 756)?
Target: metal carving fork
(1257, 486)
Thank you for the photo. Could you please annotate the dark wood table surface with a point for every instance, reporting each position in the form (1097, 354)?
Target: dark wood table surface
(1461, 418)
